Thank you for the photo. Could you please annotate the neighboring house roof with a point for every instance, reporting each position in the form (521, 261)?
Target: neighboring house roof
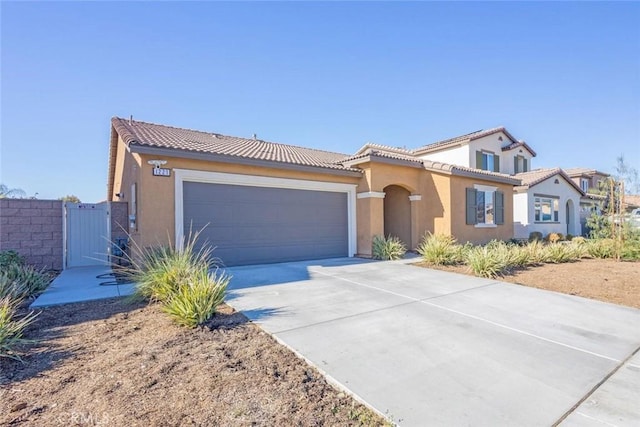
(464, 139)
(515, 145)
(574, 172)
(536, 176)
(136, 133)
(470, 172)
(632, 199)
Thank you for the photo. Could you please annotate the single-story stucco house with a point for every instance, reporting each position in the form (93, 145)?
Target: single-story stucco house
(547, 201)
(267, 202)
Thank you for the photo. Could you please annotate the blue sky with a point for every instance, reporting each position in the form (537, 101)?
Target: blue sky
(565, 77)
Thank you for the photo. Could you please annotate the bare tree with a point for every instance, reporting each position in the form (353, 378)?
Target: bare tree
(11, 193)
(627, 174)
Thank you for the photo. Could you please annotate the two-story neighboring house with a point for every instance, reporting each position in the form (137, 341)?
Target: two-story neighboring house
(546, 201)
(494, 150)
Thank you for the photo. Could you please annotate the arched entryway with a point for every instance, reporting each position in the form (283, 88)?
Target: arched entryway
(397, 213)
(570, 217)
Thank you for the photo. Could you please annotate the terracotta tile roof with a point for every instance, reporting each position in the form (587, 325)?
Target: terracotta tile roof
(515, 145)
(463, 139)
(381, 151)
(382, 148)
(139, 133)
(632, 199)
(536, 176)
(573, 172)
(463, 170)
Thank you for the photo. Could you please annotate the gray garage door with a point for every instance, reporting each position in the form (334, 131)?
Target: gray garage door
(253, 225)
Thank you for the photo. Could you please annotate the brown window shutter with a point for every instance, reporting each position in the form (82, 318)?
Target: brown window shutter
(478, 159)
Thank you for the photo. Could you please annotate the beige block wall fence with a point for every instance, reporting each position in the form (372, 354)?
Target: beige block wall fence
(34, 229)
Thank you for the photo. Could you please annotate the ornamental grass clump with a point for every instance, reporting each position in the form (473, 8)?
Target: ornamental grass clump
(441, 249)
(20, 282)
(556, 253)
(601, 248)
(12, 328)
(196, 299)
(180, 280)
(388, 248)
(158, 272)
(486, 261)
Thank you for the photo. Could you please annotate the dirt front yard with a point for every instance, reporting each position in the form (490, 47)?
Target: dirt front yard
(601, 279)
(112, 363)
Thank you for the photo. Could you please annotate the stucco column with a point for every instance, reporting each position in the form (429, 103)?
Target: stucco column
(416, 228)
(370, 211)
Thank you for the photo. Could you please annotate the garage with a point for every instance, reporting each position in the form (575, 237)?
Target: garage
(265, 223)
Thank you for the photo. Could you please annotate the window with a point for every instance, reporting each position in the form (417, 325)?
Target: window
(487, 161)
(520, 164)
(584, 184)
(484, 206)
(546, 209)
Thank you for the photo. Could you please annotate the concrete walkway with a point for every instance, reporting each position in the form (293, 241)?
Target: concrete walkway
(81, 284)
(427, 347)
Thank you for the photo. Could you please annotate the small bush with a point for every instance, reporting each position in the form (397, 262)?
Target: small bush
(630, 250)
(579, 240)
(440, 249)
(485, 262)
(388, 248)
(9, 258)
(195, 300)
(12, 329)
(535, 236)
(553, 237)
(569, 237)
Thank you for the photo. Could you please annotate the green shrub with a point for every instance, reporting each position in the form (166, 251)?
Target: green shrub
(631, 250)
(535, 236)
(440, 249)
(12, 329)
(579, 239)
(388, 248)
(485, 261)
(196, 299)
(11, 257)
(569, 237)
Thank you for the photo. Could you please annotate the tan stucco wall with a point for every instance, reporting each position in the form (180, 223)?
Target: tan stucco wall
(471, 233)
(440, 210)
(127, 172)
(397, 213)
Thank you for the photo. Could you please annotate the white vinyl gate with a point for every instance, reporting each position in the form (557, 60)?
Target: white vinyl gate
(87, 231)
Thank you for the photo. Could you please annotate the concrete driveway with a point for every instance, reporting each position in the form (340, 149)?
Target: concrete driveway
(427, 347)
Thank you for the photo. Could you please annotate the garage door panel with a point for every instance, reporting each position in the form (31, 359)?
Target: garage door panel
(250, 225)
